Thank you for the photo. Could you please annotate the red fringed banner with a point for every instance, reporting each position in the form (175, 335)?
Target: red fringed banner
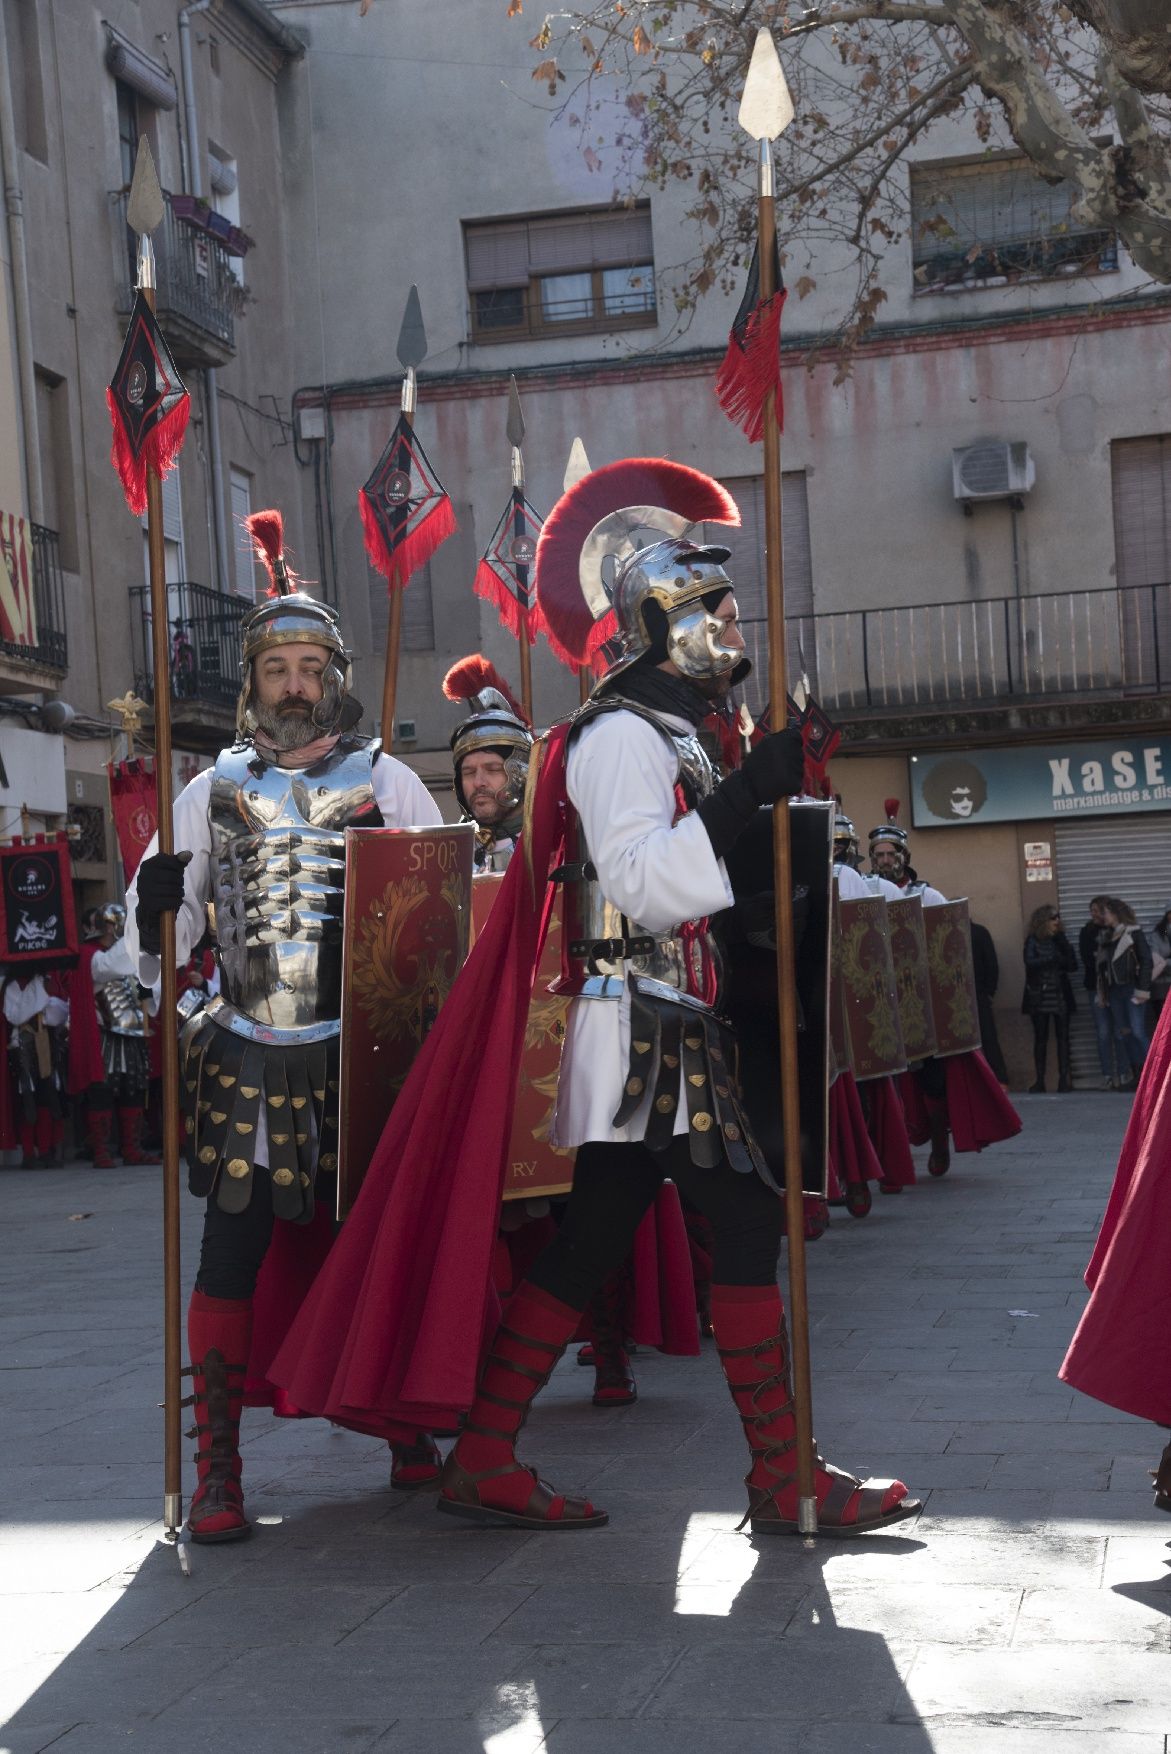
(405, 510)
(134, 803)
(149, 407)
(504, 576)
(751, 367)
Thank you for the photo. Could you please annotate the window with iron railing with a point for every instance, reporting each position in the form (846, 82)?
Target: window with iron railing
(996, 221)
(582, 272)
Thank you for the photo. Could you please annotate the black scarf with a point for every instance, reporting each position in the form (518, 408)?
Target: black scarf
(646, 685)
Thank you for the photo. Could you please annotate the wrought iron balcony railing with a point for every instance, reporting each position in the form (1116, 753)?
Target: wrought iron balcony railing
(49, 648)
(942, 655)
(204, 644)
(198, 297)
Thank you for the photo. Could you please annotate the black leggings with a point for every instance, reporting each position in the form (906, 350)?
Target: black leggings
(613, 1185)
(235, 1243)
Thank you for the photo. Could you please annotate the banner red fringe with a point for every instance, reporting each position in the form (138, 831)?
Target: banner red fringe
(489, 586)
(397, 566)
(750, 369)
(161, 448)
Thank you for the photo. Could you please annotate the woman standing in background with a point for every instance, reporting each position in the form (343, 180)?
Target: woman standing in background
(1050, 959)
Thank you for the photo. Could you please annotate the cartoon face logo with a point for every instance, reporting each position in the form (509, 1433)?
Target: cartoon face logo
(30, 879)
(955, 790)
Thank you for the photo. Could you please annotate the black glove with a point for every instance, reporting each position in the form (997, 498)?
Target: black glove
(770, 771)
(160, 891)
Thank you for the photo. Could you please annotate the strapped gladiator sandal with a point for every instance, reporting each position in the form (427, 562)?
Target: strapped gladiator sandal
(414, 1467)
(213, 1324)
(614, 1384)
(506, 1391)
(130, 1125)
(1161, 1476)
(99, 1123)
(759, 1378)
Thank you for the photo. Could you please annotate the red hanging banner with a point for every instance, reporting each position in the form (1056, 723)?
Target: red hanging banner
(38, 923)
(134, 802)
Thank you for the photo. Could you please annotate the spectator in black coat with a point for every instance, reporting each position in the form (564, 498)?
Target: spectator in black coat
(987, 971)
(1111, 1053)
(1125, 969)
(1050, 959)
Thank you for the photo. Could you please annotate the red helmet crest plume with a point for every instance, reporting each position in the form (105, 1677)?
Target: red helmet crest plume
(267, 531)
(891, 806)
(470, 676)
(570, 623)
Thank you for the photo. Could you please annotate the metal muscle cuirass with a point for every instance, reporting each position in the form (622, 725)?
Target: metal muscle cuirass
(120, 1008)
(278, 875)
(671, 965)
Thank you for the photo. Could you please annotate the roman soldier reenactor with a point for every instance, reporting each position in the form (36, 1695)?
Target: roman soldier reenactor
(491, 750)
(627, 822)
(263, 833)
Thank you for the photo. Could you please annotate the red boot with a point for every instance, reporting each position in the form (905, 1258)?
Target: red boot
(482, 1479)
(614, 1384)
(130, 1122)
(754, 1351)
(219, 1334)
(99, 1124)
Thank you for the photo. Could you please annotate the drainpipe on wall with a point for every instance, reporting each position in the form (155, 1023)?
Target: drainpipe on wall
(194, 166)
(21, 309)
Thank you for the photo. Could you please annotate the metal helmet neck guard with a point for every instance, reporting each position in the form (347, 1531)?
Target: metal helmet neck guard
(290, 616)
(622, 538)
(496, 723)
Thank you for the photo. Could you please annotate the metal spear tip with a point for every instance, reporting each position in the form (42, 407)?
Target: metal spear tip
(766, 109)
(577, 466)
(412, 337)
(516, 420)
(145, 208)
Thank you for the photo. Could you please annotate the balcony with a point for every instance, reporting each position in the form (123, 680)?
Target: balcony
(205, 658)
(937, 657)
(40, 660)
(198, 297)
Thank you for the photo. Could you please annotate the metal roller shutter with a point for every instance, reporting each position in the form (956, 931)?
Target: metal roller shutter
(1128, 856)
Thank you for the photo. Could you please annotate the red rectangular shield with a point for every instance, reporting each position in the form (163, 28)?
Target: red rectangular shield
(953, 979)
(535, 1166)
(869, 990)
(908, 945)
(405, 938)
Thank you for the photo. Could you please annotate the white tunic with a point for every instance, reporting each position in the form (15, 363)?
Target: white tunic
(883, 886)
(402, 798)
(621, 777)
(852, 886)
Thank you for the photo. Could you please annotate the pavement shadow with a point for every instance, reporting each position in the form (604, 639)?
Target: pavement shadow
(352, 1626)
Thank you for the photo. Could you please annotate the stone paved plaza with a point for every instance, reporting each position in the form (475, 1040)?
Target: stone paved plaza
(1027, 1611)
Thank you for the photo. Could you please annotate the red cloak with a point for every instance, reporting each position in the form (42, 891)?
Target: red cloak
(86, 1065)
(887, 1126)
(1121, 1352)
(389, 1336)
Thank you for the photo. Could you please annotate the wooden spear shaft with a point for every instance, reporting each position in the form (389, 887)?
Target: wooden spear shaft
(172, 1321)
(394, 634)
(786, 947)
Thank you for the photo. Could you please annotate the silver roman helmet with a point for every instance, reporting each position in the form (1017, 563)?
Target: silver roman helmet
(496, 722)
(846, 850)
(290, 616)
(618, 570)
(890, 833)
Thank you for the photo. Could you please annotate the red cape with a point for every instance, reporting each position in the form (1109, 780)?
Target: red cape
(978, 1111)
(852, 1157)
(1121, 1352)
(86, 1065)
(390, 1333)
(887, 1126)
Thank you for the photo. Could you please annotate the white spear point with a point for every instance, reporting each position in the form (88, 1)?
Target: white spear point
(766, 109)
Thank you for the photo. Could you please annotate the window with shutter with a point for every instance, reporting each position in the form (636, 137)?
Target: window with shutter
(244, 556)
(1140, 471)
(588, 271)
(172, 531)
(996, 221)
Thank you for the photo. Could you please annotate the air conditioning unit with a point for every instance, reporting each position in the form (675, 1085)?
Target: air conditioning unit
(992, 469)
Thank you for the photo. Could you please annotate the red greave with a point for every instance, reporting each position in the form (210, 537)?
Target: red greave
(752, 1335)
(534, 1333)
(219, 1336)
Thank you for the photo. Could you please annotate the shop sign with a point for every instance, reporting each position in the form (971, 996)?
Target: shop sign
(1035, 780)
